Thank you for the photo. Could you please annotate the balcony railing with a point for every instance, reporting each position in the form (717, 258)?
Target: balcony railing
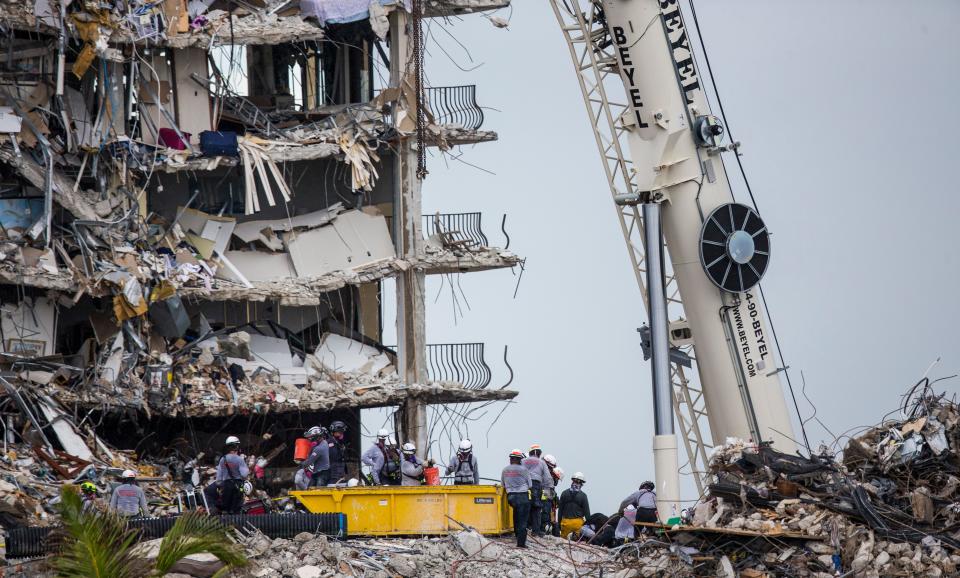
(462, 363)
(456, 229)
(455, 105)
(463, 229)
(459, 362)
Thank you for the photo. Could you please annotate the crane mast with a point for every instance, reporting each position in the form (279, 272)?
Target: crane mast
(718, 249)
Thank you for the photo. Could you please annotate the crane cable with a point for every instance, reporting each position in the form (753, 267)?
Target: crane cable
(753, 200)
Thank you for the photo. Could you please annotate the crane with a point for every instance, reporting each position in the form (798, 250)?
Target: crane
(662, 153)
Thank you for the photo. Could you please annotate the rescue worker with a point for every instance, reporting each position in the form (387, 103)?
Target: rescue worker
(316, 468)
(574, 506)
(538, 473)
(557, 478)
(548, 499)
(338, 452)
(88, 497)
(463, 466)
(517, 484)
(128, 498)
(232, 471)
(626, 531)
(644, 501)
(411, 467)
(383, 460)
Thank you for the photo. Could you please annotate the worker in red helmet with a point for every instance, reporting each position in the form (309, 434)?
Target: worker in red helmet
(517, 484)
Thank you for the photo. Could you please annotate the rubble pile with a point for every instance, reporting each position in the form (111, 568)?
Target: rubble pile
(889, 507)
(464, 554)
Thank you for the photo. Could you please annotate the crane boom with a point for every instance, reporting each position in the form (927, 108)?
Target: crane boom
(718, 249)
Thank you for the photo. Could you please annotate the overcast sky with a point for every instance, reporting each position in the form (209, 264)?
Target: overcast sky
(846, 114)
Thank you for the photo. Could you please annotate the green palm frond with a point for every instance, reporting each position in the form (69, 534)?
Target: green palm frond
(93, 544)
(193, 534)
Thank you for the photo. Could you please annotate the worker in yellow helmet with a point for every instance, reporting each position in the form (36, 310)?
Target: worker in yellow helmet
(88, 496)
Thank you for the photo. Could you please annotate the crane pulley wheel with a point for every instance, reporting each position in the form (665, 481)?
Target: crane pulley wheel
(734, 247)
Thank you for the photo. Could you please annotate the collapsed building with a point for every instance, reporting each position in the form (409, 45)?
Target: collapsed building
(201, 201)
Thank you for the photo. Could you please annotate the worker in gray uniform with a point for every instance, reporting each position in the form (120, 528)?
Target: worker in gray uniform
(232, 471)
(645, 502)
(463, 466)
(538, 473)
(376, 457)
(411, 467)
(517, 483)
(316, 467)
(128, 498)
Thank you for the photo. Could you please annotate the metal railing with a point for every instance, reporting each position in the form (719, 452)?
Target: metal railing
(463, 229)
(455, 105)
(460, 228)
(462, 363)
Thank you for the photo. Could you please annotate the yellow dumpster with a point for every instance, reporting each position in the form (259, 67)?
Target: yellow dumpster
(413, 510)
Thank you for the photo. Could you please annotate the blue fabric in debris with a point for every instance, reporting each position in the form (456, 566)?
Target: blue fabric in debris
(342, 11)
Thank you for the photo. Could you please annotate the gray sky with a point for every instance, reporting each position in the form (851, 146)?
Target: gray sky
(844, 110)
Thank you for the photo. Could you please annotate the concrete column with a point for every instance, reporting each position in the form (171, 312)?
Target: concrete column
(411, 303)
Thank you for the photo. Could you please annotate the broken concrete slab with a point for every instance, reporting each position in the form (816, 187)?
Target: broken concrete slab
(339, 354)
(353, 239)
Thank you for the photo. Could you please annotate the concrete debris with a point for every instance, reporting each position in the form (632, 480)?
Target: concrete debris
(888, 508)
(466, 554)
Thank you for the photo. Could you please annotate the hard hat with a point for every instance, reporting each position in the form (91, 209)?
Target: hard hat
(88, 488)
(247, 488)
(313, 432)
(516, 454)
(535, 447)
(559, 472)
(466, 446)
(647, 485)
(353, 483)
(550, 460)
(383, 434)
(338, 426)
(128, 474)
(409, 448)
(579, 476)
(232, 440)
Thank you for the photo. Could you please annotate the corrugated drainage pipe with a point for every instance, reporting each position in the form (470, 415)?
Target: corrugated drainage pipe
(31, 542)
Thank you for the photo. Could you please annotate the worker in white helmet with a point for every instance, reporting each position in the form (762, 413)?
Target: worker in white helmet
(128, 498)
(463, 466)
(383, 459)
(517, 484)
(232, 471)
(548, 497)
(538, 474)
(574, 507)
(315, 470)
(411, 467)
